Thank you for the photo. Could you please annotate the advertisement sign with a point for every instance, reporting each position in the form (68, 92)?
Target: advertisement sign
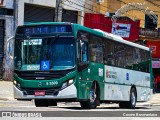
(148, 32)
(155, 64)
(120, 29)
(155, 48)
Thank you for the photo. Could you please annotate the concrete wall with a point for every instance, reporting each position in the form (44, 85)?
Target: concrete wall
(8, 4)
(7, 61)
(9, 31)
(76, 5)
(89, 6)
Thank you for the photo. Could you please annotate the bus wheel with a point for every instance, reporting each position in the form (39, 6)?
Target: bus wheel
(133, 99)
(92, 102)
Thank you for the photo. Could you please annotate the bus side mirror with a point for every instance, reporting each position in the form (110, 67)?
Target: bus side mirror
(83, 51)
(9, 48)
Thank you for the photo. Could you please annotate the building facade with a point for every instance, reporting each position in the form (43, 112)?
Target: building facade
(44, 11)
(18, 12)
(144, 7)
(6, 31)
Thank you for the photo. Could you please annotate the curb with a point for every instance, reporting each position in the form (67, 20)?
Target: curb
(149, 104)
(3, 99)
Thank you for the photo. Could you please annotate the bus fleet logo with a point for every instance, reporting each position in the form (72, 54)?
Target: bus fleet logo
(111, 74)
(20, 114)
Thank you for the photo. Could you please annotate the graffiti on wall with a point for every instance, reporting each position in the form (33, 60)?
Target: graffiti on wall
(8, 61)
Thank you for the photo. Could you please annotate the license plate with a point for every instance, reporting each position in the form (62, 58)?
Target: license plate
(39, 93)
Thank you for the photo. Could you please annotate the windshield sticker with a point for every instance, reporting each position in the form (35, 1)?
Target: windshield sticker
(45, 65)
(33, 42)
(31, 67)
(100, 72)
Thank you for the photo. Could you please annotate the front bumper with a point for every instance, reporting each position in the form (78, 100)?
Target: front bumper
(67, 93)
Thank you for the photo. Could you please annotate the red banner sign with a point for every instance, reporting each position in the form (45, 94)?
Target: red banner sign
(128, 29)
(155, 48)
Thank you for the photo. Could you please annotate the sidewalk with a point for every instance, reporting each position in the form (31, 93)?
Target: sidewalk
(6, 91)
(6, 94)
(155, 100)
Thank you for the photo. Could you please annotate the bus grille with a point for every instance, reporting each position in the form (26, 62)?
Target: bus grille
(42, 75)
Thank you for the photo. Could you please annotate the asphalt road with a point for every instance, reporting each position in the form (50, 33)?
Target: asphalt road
(72, 111)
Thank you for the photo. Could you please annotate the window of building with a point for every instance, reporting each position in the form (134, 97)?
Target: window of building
(5, 11)
(149, 23)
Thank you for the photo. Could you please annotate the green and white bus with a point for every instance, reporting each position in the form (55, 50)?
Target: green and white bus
(66, 62)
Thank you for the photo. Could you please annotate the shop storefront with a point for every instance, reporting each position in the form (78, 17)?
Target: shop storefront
(155, 47)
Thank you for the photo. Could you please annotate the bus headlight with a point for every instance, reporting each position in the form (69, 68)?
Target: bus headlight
(70, 82)
(14, 82)
(17, 84)
(66, 84)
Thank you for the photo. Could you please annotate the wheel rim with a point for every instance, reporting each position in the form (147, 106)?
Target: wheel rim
(133, 99)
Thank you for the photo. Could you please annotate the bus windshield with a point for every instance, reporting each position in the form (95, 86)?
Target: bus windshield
(54, 53)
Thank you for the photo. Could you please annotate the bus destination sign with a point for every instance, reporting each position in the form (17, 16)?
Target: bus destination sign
(44, 29)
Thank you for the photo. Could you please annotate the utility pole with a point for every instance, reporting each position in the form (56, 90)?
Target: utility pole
(58, 11)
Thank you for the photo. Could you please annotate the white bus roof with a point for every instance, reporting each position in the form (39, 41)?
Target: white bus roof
(120, 39)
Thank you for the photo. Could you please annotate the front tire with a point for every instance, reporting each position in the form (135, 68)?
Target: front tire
(93, 99)
(133, 99)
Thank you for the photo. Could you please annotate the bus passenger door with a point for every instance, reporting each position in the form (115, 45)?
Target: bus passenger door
(82, 65)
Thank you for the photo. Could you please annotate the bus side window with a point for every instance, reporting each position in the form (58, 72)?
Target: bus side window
(109, 53)
(82, 38)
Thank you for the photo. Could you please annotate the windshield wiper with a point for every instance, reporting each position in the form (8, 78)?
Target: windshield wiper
(56, 37)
